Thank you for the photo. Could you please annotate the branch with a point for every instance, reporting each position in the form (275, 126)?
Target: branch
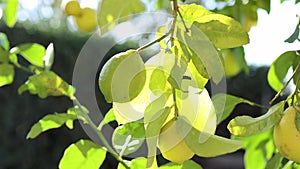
(286, 84)
(100, 135)
(170, 32)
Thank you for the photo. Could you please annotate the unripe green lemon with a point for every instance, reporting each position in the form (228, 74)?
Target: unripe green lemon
(86, 20)
(172, 145)
(122, 77)
(231, 65)
(287, 137)
(72, 8)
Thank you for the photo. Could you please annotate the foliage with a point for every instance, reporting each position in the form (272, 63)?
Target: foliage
(198, 38)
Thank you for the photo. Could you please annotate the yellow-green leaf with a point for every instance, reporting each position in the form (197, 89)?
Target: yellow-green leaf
(82, 155)
(189, 164)
(7, 73)
(204, 144)
(47, 84)
(32, 52)
(247, 126)
(48, 122)
(279, 69)
(10, 12)
(109, 15)
(128, 138)
(223, 31)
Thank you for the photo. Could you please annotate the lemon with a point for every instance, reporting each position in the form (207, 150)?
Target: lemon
(286, 135)
(72, 8)
(197, 107)
(86, 20)
(172, 145)
(231, 65)
(122, 77)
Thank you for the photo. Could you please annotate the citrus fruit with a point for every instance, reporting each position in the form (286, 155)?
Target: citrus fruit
(72, 8)
(286, 135)
(196, 106)
(122, 77)
(172, 145)
(86, 20)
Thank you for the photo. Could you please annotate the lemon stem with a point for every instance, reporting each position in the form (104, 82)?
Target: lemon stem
(175, 105)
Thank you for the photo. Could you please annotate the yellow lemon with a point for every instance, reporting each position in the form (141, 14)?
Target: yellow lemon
(122, 77)
(86, 20)
(72, 8)
(287, 137)
(172, 145)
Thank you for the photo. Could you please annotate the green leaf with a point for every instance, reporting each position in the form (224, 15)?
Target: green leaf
(205, 51)
(275, 162)
(152, 133)
(205, 144)
(4, 55)
(4, 41)
(128, 138)
(158, 81)
(137, 163)
(49, 57)
(7, 73)
(48, 122)
(109, 117)
(82, 155)
(189, 164)
(192, 12)
(71, 111)
(47, 84)
(154, 108)
(247, 126)
(258, 149)
(173, 66)
(13, 58)
(185, 53)
(279, 69)
(223, 31)
(264, 5)
(225, 103)
(10, 12)
(239, 54)
(32, 52)
(109, 15)
(294, 36)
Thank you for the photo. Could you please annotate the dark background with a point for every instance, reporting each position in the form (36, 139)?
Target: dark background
(19, 112)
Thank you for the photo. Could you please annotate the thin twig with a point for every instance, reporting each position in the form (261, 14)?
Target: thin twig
(286, 84)
(101, 136)
(182, 20)
(170, 32)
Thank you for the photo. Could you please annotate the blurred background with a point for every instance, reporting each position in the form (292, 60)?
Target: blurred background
(44, 21)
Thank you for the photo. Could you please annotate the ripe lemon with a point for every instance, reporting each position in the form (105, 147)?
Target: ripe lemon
(172, 145)
(287, 137)
(231, 65)
(86, 20)
(122, 77)
(72, 8)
